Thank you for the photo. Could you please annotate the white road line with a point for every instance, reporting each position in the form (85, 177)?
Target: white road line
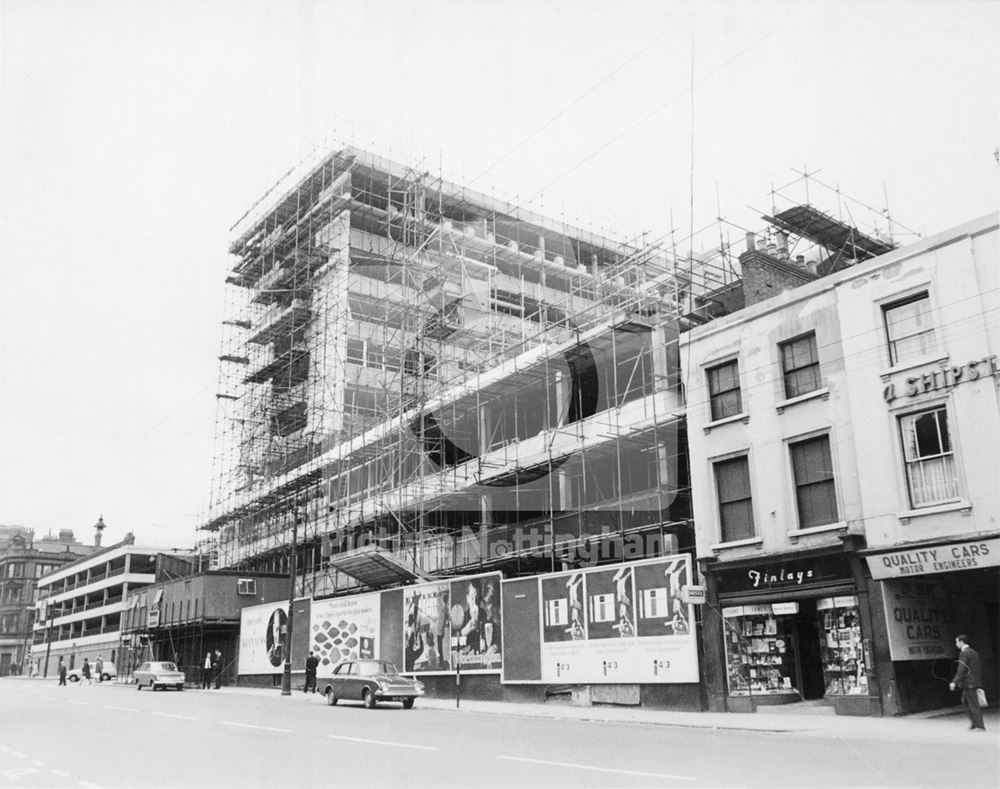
(385, 742)
(18, 755)
(125, 709)
(60, 773)
(4, 748)
(81, 703)
(37, 763)
(173, 715)
(255, 726)
(597, 769)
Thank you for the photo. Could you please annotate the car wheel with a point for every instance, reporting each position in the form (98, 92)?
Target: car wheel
(408, 704)
(152, 686)
(180, 687)
(105, 677)
(330, 698)
(73, 679)
(369, 699)
(138, 685)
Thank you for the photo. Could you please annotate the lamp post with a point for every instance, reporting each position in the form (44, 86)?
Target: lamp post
(286, 678)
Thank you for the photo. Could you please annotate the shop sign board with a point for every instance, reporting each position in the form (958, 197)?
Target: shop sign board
(784, 575)
(919, 620)
(620, 624)
(693, 594)
(966, 555)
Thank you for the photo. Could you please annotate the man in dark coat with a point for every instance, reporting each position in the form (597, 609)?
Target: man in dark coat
(968, 677)
(62, 672)
(312, 663)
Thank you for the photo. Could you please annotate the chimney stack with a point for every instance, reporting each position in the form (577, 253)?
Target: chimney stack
(751, 242)
(98, 528)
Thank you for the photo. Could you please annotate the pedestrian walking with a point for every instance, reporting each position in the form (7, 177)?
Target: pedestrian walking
(968, 677)
(62, 671)
(206, 672)
(85, 672)
(99, 669)
(217, 668)
(312, 663)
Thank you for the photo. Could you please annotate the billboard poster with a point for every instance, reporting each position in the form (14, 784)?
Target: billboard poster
(618, 624)
(426, 628)
(475, 623)
(262, 629)
(344, 628)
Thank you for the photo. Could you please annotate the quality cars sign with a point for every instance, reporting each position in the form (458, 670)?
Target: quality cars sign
(966, 555)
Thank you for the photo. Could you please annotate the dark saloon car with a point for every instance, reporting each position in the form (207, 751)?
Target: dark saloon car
(371, 681)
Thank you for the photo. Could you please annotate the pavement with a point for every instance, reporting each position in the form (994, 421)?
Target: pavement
(805, 718)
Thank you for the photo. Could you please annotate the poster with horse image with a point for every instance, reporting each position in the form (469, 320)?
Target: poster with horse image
(427, 629)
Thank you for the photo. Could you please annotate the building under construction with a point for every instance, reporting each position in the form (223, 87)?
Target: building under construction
(418, 380)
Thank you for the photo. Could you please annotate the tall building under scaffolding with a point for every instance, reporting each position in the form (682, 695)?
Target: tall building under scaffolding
(420, 381)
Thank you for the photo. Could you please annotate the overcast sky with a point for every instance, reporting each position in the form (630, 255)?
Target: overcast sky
(134, 134)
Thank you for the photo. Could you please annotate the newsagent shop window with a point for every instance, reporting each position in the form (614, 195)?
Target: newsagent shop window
(732, 481)
(800, 365)
(908, 328)
(931, 476)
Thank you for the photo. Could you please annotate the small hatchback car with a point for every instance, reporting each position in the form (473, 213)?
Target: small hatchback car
(371, 681)
(158, 675)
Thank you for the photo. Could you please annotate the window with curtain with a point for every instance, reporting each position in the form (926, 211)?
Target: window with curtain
(931, 475)
(732, 483)
(908, 328)
(800, 365)
(815, 492)
(724, 390)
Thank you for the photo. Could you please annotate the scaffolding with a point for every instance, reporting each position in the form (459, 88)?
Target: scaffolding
(413, 368)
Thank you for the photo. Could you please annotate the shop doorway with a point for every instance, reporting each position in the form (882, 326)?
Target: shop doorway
(807, 630)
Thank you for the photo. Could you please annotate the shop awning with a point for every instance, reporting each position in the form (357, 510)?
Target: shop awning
(376, 568)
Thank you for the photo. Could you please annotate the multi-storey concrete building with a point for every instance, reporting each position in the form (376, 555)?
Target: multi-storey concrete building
(841, 429)
(80, 604)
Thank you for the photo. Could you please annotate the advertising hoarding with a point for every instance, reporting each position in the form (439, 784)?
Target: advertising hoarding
(624, 623)
(344, 628)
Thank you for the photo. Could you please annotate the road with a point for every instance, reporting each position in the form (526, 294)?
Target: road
(114, 736)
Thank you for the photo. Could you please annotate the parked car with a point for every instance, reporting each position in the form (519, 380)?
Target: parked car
(371, 681)
(158, 674)
(108, 672)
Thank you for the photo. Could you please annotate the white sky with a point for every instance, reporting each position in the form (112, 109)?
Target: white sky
(134, 134)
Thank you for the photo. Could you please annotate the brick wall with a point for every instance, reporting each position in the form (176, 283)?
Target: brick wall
(764, 276)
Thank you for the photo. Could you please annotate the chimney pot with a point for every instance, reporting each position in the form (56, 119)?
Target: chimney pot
(751, 242)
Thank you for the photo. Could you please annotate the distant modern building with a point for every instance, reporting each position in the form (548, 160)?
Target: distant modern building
(80, 605)
(23, 560)
(842, 430)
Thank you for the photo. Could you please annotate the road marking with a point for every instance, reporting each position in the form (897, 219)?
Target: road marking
(18, 772)
(173, 715)
(60, 773)
(81, 703)
(37, 763)
(4, 748)
(255, 726)
(18, 755)
(125, 709)
(384, 742)
(597, 769)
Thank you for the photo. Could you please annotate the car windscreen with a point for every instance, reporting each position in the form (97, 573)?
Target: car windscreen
(375, 667)
(168, 667)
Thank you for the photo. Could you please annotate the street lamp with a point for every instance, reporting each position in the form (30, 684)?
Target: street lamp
(286, 678)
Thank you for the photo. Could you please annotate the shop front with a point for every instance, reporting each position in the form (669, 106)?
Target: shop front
(930, 592)
(793, 627)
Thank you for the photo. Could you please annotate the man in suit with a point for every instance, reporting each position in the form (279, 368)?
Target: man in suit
(312, 663)
(968, 677)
